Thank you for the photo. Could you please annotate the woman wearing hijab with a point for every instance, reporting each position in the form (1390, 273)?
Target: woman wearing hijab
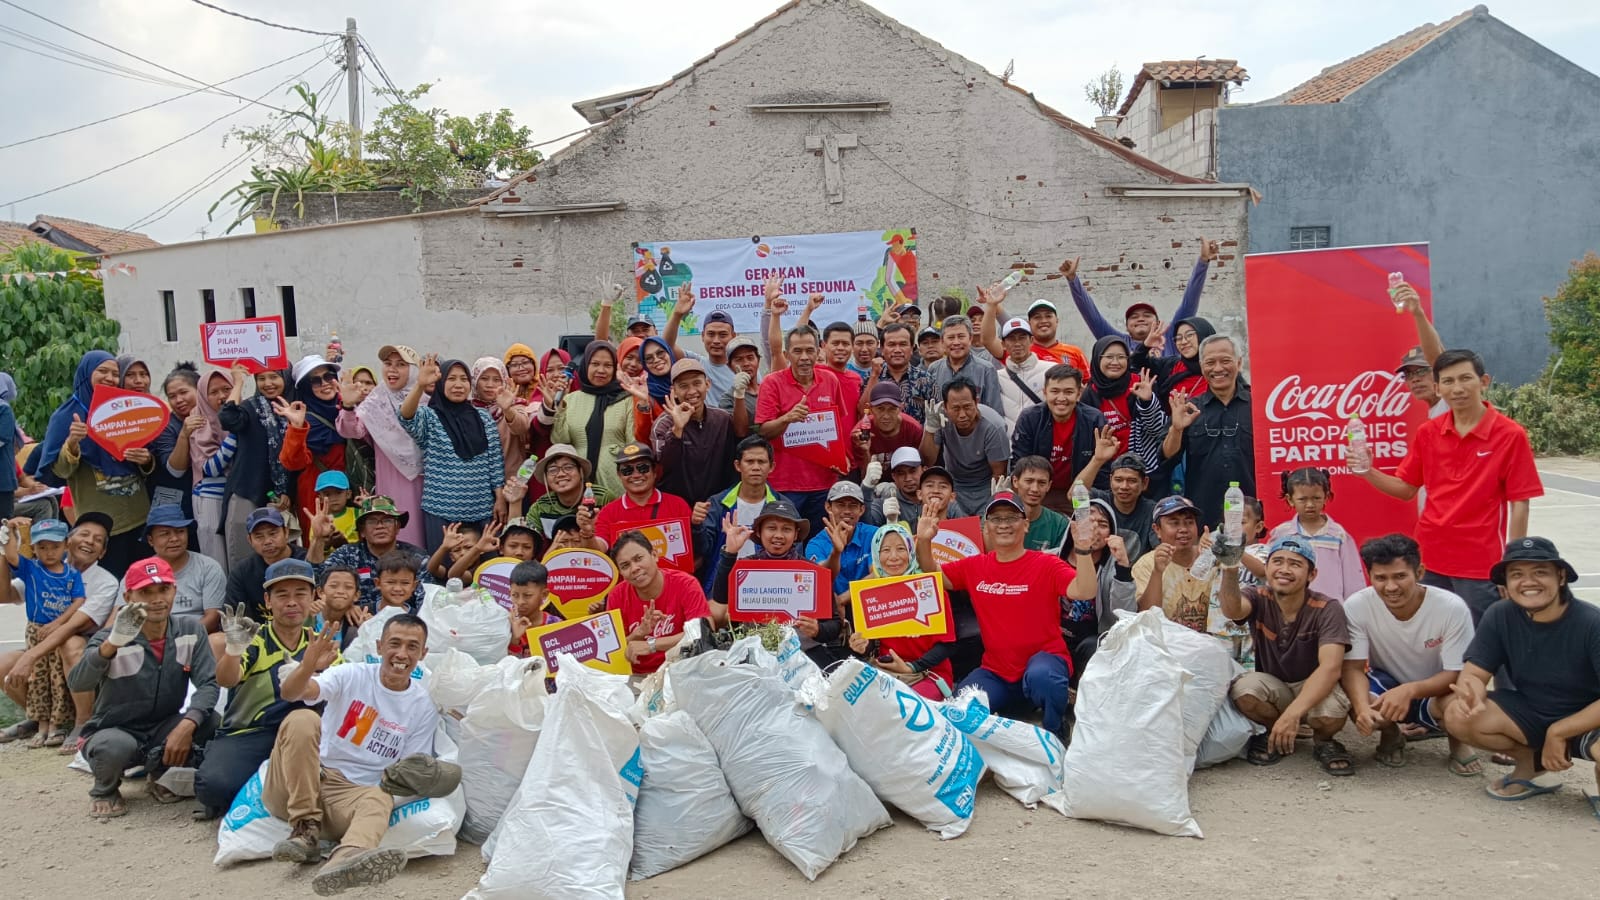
(923, 663)
(203, 452)
(311, 444)
(522, 372)
(375, 418)
(1180, 372)
(133, 374)
(11, 439)
(488, 377)
(462, 462)
(1109, 380)
(257, 477)
(596, 417)
(99, 482)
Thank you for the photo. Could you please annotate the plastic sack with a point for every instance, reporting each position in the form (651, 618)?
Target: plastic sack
(453, 679)
(1211, 670)
(569, 829)
(1026, 760)
(686, 808)
(498, 736)
(1225, 738)
(784, 770)
(793, 664)
(418, 825)
(469, 620)
(912, 756)
(1127, 763)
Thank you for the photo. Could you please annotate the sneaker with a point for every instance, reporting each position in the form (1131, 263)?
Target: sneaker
(352, 867)
(301, 844)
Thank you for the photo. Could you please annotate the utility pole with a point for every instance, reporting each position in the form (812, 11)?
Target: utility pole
(352, 84)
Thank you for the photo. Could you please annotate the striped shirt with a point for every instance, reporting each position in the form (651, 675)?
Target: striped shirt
(456, 489)
(213, 481)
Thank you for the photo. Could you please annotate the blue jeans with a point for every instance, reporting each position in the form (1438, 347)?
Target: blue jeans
(1044, 684)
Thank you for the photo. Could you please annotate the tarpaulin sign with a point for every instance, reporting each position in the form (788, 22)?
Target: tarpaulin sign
(1303, 398)
(670, 539)
(855, 272)
(597, 641)
(578, 577)
(120, 420)
(494, 576)
(958, 539)
(257, 344)
(901, 606)
(763, 590)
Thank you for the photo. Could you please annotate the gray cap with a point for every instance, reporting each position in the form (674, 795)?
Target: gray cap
(846, 490)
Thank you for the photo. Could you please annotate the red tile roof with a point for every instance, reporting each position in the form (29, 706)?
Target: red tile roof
(1184, 71)
(1337, 82)
(15, 234)
(103, 239)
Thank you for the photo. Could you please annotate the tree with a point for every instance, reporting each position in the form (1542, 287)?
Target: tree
(1574, 316)
(430, 151)
(47, 323)
(1105, 90)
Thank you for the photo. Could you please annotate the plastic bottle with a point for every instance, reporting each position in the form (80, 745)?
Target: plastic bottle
(588, 495)
(1233, 514)
(1358, 456)
(525, 471)
(1203, 564)
(1080, 501)
(1012, 279)
(1395, 281)
(335, 349)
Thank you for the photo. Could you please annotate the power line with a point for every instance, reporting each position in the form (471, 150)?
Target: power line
(157, 103)
(98, 63)
(162, 82)
(163, 146)
(365, 45)
(136, 56)
(229, 12)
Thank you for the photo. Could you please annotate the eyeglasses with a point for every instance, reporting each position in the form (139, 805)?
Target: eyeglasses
(1005, 521)
(325, 378)
(635, 468)
(562, 469)
(657, 356)
(1113, 358)
(520, 363)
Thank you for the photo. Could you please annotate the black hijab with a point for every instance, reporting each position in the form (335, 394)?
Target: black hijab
(604, 395)
(1108, 388)
(1186, 366)
(462, 420)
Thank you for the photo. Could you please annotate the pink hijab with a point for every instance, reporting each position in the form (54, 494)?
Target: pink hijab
(380, 413)
(206, 440)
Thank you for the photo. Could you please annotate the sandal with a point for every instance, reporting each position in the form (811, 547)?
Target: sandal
(1391, 750)
(1420, 732)
(56, 738)
(37, 741)
(1333, 756)
(160, 794)
(1466, 767)
(73, 745)
(1259, 752)
(111, 807)
(1532, 787)
(27, 728)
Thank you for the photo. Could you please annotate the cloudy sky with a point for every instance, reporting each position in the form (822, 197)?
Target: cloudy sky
(536, 57)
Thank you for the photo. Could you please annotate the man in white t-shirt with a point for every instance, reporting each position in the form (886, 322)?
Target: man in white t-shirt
(1407, 642)
(325, 772)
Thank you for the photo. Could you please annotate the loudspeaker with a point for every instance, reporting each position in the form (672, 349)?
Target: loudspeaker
(574, 344)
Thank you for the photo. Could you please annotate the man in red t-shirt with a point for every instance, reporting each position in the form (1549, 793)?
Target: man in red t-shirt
(886, 424)
(1016, 594)
(656, 603)
(803, 411)
(642, 501)
(1477, 466)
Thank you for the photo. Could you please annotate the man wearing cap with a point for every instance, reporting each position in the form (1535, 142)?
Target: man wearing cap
(140, 669)
(744, 358)
(900, 368)
(897, 500)
(202, 585)
(804, 412)
(1073, 435)
(745, 499)
(716, 333)
(1300, 639)
(930, 347)
(565, 472)
(333, 489)
(886, 426)
(1161, 577)
(1111, 551)
(1017, 595)
(333, 775)
(642, 501)
(1549, 643)
(845, 545)
(640, 326)
(378, 534)
(779, 533)
(250, 667)
(1022, 376)
(864, 349)
(1127, 483)
(962, 360)
(1213, 431)
(973, 440)
(693, 442)
(1141, 319)
(269, 542)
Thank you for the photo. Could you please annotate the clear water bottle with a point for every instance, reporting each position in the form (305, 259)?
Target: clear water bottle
(1358, 455)
(1080, 502)
(1012, 279)
(1203, 564)
(1233, 514)
(1395, 281)
(525, 471)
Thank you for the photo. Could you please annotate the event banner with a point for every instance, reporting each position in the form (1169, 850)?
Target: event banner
(1325, 340)
(257, 344)
(596, 641)
(578, 577)
(761, 590)
(856, 272)
(901, 606)
(120, 420)
(671, 539)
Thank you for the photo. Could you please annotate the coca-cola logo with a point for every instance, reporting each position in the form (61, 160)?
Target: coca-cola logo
(1372, 394)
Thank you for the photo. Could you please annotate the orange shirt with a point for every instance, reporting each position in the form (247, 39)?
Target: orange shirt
(1063, 353)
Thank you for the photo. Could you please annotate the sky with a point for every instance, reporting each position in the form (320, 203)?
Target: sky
(536, 57)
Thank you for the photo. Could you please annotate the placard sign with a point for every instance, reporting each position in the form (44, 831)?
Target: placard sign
(578, 577)
(257, 344)
(671, 539)
(958, 539)
(494, 576)
(597, 641)
(901, 606)
(762, 590)
(120, 420)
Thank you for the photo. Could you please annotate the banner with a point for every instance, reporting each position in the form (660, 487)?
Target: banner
(598, 642)
(901, 606)
(1325, 340)
(255, 343)
(494, 576)
(671, 539)
(958, 539)
(578, 577)
(120, 420)
(856, 272)
(761, 590)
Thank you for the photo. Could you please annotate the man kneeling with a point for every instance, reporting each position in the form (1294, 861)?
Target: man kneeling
(334, 774)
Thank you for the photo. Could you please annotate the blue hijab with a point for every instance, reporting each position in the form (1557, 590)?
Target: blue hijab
(660, 385)
(8, 394)
(55, 435)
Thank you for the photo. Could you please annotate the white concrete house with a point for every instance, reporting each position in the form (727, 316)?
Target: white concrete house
(824, 116)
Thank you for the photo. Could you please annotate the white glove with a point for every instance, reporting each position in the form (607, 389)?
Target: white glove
(891, 508)
(935, 416)
(125, 627)
(884, 491)
(238, 630)
(874, 474)
(5, 533)
(741, 384)
(1003, 483)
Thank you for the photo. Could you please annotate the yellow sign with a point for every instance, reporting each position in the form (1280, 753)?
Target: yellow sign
(599, 642)
(901, 606)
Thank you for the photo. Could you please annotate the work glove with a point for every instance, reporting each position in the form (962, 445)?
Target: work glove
(936, 418)
(125, 627)
(238, 630)
(1003, 483)
(741, 385)
(884, 490)
(874, 474)
(1226, 552)
(891, 508)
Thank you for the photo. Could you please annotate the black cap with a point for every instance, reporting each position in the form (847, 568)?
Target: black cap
(1127, 461)
(1531, 549)
(936, 472)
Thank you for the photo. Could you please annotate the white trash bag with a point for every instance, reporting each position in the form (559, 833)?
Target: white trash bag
(1128, 762)
(912, 756)
(1026, 760)
(1226, 737)
(469, 620)
(686, 808)
(453, 679)
(784, 770)
(569, 829)
(1211, 669)
(498, 736)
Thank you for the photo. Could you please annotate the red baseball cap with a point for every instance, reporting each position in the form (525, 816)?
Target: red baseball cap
(150, 571)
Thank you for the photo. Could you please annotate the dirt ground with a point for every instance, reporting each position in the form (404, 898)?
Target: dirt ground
(1285, 831)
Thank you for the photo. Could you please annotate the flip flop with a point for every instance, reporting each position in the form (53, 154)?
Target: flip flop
(1391, 753)
(27, 728)
(1469, 767)
(1416, 733)
(56, 738)
(116, 807)
(1534, 788)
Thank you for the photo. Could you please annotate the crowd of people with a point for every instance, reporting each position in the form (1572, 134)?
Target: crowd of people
(243, 549)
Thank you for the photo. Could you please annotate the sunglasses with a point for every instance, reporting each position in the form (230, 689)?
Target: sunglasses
(325, 378)
(635, 468)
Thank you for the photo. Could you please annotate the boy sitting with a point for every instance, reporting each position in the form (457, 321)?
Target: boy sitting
(52, 591)
(397, 581)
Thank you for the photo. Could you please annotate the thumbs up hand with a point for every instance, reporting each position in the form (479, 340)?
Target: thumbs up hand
(77, 431)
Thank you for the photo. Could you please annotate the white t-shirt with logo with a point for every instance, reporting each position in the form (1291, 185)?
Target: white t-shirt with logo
(366, 726)
(1432, 641)
(746, 514)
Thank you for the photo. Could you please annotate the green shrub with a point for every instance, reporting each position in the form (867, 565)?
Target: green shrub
(1574, 316)
(1557, 424)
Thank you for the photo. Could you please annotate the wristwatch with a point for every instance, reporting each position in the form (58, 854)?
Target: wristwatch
(651, 643)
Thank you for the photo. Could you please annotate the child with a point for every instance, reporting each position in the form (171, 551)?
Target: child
(529, 592)
(459, 539)
(333, 487)
(397, 581)
(922, 662)
(565, 535)
(53, 591)
(781, 533)
(338, 593)
(1339, 573)
(519, 540)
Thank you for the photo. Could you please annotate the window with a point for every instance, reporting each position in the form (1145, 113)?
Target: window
(247, 299)
(291, 324)
(208, 300)
(1309, 237)
(169, 309)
